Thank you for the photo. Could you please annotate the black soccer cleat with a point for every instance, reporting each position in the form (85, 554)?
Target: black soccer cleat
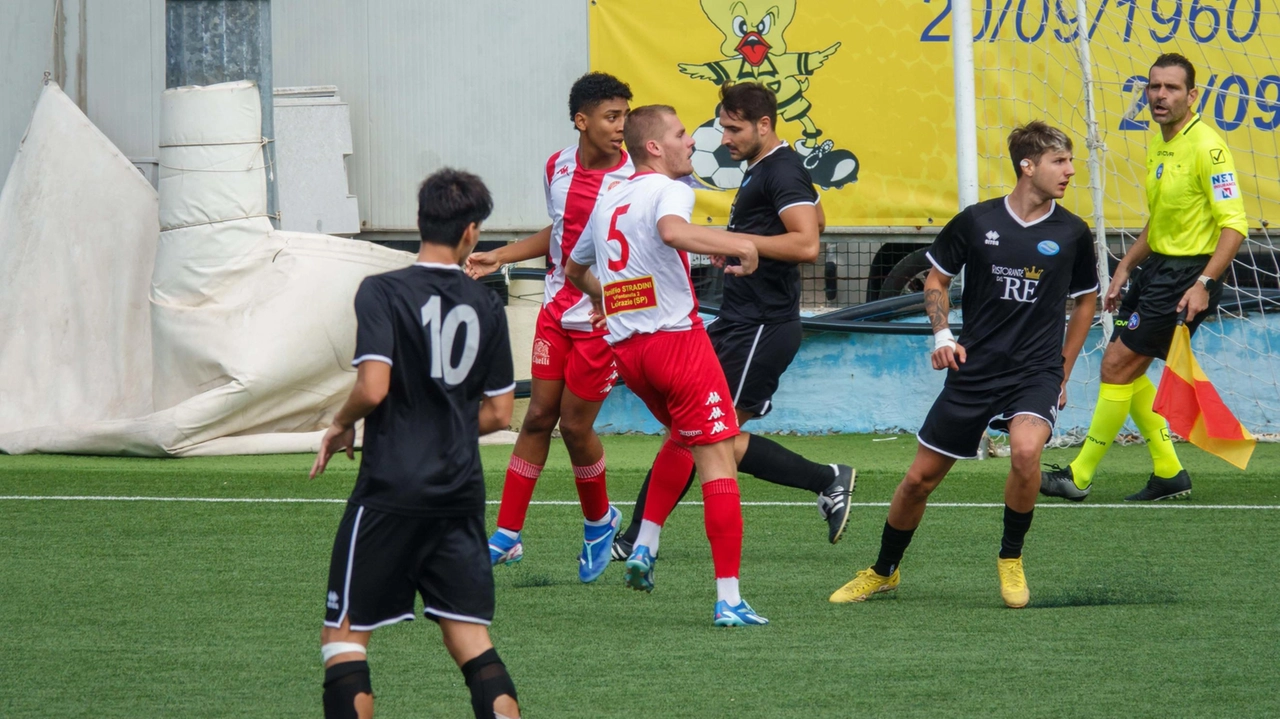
(1179, 485)
(621, 549)
(1060, 482)
(834, 501)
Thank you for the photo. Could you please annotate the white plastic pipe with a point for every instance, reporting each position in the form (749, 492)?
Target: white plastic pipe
(966, 122)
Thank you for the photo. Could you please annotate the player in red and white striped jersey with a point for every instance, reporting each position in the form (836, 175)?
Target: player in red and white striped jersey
(639, 235)
(573, 367)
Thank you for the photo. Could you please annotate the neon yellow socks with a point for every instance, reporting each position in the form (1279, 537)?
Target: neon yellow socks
(1108, 417)
(1154, 429)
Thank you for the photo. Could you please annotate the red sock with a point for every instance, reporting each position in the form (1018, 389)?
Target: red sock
(592, 494)
(517, 491)
(722, 512)
(671, 470)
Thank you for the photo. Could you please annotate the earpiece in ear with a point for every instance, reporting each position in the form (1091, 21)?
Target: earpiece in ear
(1025, 163)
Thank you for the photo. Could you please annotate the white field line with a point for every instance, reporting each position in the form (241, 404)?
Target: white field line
(310, 500)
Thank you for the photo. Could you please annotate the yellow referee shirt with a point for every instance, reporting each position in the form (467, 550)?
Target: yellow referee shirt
(1192, 192)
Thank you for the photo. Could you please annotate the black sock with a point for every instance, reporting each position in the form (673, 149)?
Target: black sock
(633, 530)
(342, 683)
(772, 462)
(893, 544)
(486, 676)
(1016, 525)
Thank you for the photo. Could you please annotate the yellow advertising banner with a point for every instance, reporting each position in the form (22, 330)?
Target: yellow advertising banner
(865, 90)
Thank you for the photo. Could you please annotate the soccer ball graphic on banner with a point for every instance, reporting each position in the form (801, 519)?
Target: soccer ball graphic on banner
(712, 164)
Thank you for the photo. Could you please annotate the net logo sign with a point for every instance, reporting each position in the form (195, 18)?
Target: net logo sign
(1224, 186)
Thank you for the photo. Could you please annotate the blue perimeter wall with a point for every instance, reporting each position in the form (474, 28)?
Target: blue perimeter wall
(859, 382)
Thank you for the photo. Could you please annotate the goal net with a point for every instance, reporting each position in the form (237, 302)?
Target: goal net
(1083, 66)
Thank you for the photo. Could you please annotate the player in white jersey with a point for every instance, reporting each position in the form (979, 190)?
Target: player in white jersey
(639, 234)
(572, 368)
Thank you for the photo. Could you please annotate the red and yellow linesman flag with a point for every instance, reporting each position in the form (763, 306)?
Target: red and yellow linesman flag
(1194, 409)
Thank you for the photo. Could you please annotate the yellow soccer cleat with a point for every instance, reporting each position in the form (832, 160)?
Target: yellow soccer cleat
(1013, 583)
(866, 583)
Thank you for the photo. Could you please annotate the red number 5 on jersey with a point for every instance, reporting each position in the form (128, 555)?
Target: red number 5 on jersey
(615, 235)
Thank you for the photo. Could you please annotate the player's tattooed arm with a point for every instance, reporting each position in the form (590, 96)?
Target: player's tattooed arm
(937, 303)
(947, 352)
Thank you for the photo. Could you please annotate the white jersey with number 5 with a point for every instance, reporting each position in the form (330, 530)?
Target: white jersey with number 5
(646, 283)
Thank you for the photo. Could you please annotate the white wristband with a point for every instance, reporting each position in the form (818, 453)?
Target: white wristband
(943, 338)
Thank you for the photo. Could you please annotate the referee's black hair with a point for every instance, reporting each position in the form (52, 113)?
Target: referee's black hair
(1173, 59)
(749, 101)
(448, 201)
(594, 88)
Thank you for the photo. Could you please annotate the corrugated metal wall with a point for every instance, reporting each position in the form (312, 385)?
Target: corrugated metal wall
(481, 85)
(123, 66)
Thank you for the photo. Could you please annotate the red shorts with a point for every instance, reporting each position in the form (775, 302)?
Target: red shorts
(679, 378)
(584, 360)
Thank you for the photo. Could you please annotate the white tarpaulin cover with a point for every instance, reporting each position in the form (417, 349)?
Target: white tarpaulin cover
(245, 345)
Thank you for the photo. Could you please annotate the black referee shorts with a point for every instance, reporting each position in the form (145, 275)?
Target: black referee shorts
(961, 415)
(1149, 311)
(753, 358)
(380, 560)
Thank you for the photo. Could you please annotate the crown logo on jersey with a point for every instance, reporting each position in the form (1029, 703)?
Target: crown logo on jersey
(1032, 272)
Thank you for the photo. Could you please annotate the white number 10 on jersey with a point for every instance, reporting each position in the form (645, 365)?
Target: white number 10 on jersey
(441, 335)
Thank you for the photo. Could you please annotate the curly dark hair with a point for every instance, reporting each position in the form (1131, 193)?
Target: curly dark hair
(448, 201)
(594, 88)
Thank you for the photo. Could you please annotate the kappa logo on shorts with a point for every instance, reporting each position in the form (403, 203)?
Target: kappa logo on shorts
(718, 427)
(333, 600)
(541, 351)
(716, 413)
(1134, 319)
(713, 398)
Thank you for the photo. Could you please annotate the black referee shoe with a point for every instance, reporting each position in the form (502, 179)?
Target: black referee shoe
(1061, 482)
(834, 501)
(1179, 485)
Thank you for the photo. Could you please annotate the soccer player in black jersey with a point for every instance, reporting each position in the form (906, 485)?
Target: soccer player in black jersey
(758, 331)
(1023, 256)
(434, 373)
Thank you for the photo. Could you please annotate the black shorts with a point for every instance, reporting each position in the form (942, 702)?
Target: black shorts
(960, 416)
(1149, 311)
(753, 358)
(379, 560)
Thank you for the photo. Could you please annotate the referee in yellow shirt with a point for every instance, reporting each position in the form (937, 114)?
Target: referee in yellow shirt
(1196, 224)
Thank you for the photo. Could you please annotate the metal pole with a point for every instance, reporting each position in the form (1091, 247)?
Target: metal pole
(1097, 148)
(966, 121)
(213, 41)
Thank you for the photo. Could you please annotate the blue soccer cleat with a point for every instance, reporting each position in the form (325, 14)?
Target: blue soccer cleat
(596, 543)
(640, 569)
(504, 549)
(740, 616)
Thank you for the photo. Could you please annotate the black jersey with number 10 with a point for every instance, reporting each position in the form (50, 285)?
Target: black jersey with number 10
(770, 295)
(445, 337)
(1017, 277)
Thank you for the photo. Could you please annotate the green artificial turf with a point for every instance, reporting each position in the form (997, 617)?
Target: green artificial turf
(193, 609)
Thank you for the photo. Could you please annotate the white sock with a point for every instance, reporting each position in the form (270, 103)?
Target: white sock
(508, 533)
(601, 521)
(727, 591)
(648, 536)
